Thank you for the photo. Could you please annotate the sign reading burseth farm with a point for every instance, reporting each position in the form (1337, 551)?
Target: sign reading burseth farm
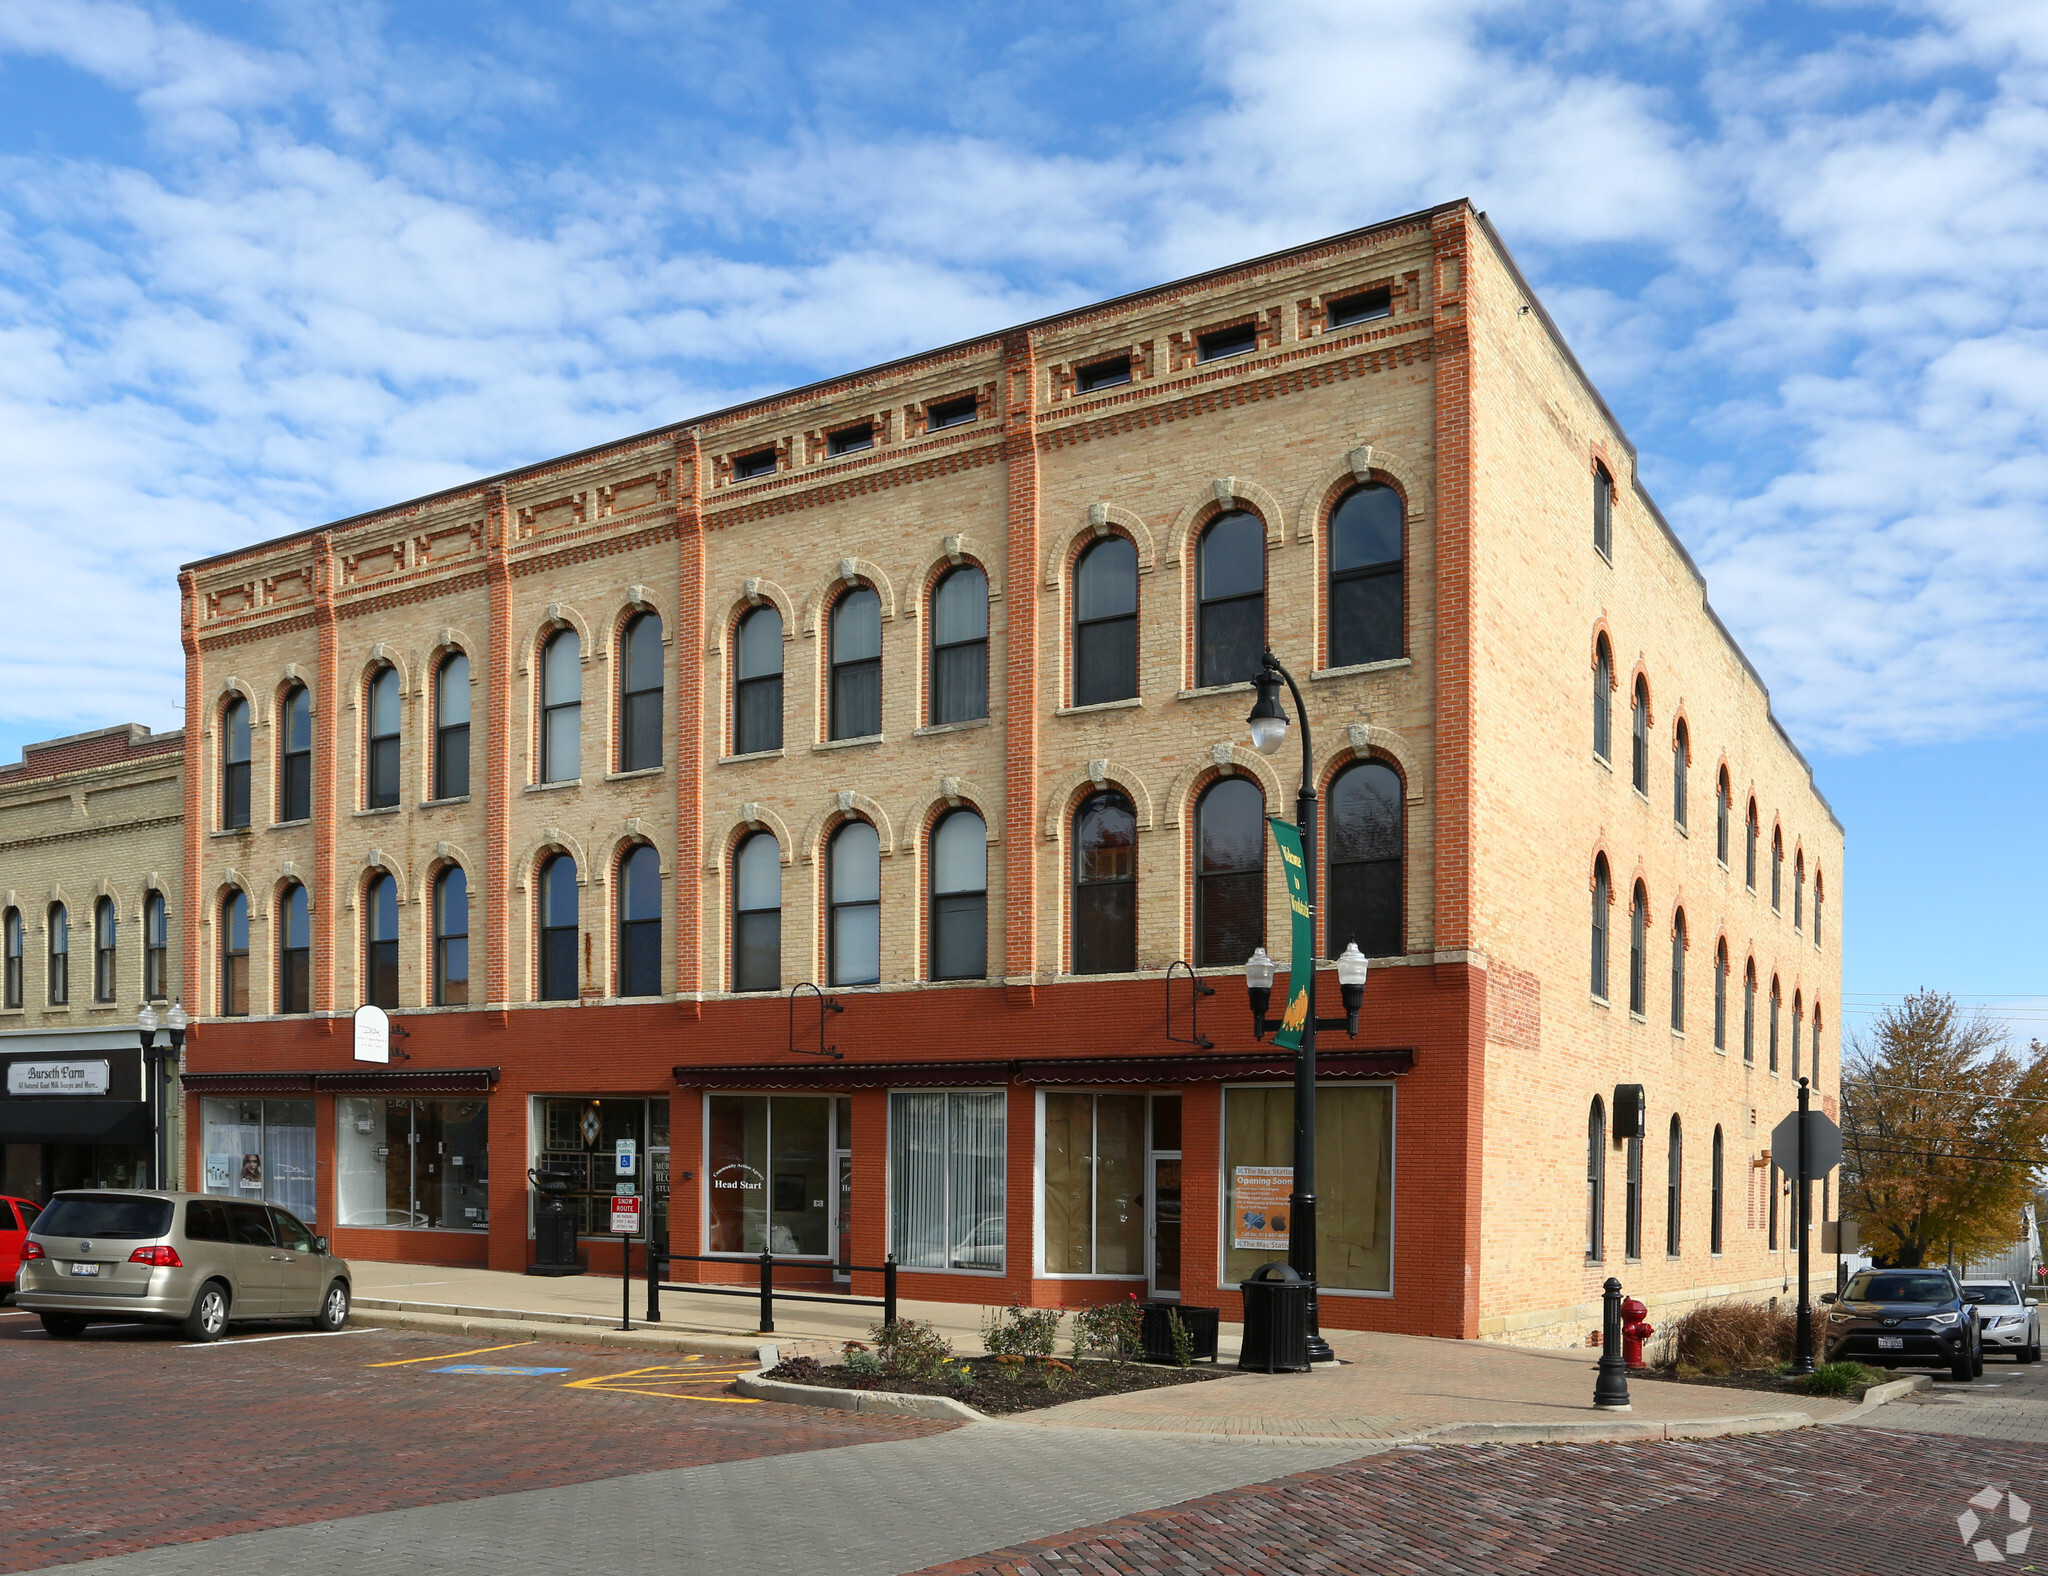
(57, 1078)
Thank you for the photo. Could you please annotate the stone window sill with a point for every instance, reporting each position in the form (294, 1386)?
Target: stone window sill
(751, 755)
(555, 787)
(847, 744)
(1637, 1017)
(1602, 761)
(1680, 828)
(1101, 705)
(1241, 687)
(1599, 1001)
(382, 809)
(931, 729)
(1352, 669)
(286, 826)
(230, 831)
(635, 775)
(435, 804)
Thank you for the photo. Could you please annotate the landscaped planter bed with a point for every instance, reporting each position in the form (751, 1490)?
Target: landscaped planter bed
(999, 1387)
(1756, 1379)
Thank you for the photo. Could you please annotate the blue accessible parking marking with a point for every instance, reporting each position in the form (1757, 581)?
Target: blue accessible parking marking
(494, 1368)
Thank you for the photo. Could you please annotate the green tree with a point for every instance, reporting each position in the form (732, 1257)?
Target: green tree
(1943, 1129)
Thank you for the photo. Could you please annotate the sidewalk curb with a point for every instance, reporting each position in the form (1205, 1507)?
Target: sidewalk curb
(940, 1407)
(647, 1340)
(1878, 1394)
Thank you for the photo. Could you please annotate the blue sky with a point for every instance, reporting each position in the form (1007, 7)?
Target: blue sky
(262, 265)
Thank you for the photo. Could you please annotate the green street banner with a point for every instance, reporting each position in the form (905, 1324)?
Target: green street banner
(1301, 962)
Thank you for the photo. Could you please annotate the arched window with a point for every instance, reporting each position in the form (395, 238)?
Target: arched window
(959, 681)
(1749, 1012)
(558, 926)
(295, 765)
(1603, 699)
(1603, 510)
(1714, 1206)
(383, 739)
(294, 950)
(959, 899)
(156, 947)
(103, 927)
(380, 942)
(1776, 1002)
(234, 765)
(1602, 899)
(1105, 885)
(857, 664)
(1798, 1022)
(1720, 995)
(1799, 890)
(1365, 576)
(1674, 1177)
(1632, 1212)
(640, 691)
(1819, 897)
(640, 923)
(1639, 738)
(1681, 762)
(1106, 622)
(561, 708)
(12, 943)
(1596, 1182)
(853, 894)
(1368, 841)
(757, 912)
(1638, 950)
(451, 727)
(1230, 882)
(1815, 1072)
(451, 938)
(757, 682)
(234, 955)
(60, 955)
(1723, 809)
(1231, 596)
(1749, 848)
(1678, 972)
(1777, 867)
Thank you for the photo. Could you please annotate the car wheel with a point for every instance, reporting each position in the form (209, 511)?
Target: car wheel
(1960, 1368)
(64, 1326)
(208, 1320)
(333, 1308)
(1977, 1358)
(2031, 1352)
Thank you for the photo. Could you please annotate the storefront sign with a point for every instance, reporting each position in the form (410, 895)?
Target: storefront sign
(57, 1078)
(373, 1034)
(1259, 1206)
(1301, 967)
(625, 1216)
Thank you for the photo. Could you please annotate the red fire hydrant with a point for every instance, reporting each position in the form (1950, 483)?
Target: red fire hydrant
(1633, 1331)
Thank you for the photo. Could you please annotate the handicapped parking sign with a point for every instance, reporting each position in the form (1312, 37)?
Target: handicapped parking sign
(625, 1157)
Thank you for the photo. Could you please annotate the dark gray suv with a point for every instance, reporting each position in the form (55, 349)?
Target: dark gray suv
(1917, 1318)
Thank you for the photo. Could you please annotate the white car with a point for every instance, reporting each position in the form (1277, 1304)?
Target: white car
(2011, 1323)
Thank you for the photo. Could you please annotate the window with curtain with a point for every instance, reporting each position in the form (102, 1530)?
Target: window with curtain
(295, 765)
(60, 955)
(640, 923)
(558, 925)
(382, 778)
(946, 1179)
(853, 898)
(856, 697)
(1365, 609)
(156, 947)
(1721, 996)
(1777, 868)
(1094, 1184)
(1603, 510)
(1750, 830)
(1367, 841)
(757, 682)
(1602, 901)
(1354, 1180)
(1230, 879)
(1230, 614)
(1632, 1214)
(769, 1166)
(1639, 739)
(1714, 1211)
(294, 950)
(1723, 808)
(1603, 699)
(1596, 1182)
(234, 956)
(451, 938)
(380, 942)
(640, 694)
(1105, 904)
(561, 707)
(1678, 971)
(103, 928)
(451, 727)
(260, 1149)
(757, 914)
(1775, 1003)
(1799, 890)
(1681, 763)
(1674, 1177)
(959, 897)
(234, 765)
(1638, 950)
(12, 927)
(1749, 1012)
(1106, 622)
(959, 680)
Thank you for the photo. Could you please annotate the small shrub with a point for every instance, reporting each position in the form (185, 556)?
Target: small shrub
(1112, 1328)
(961, 1378)
(912, 1349)
(798, 1370)
(1841, 1378)
(1183, 1339)
(1017, 1331)
(864, 1364)
(1725, 1336)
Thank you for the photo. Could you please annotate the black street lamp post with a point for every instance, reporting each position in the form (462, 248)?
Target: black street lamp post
(154, 1082)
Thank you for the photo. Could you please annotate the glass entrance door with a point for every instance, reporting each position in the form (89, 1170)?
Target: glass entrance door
(1163, 1200)
(842, 1161)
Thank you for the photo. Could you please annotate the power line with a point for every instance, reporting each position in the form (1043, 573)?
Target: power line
(1965, 1094)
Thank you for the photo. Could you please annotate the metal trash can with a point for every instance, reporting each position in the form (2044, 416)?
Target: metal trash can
(1275, 1321)
(554, 1228)
(1155, 1332)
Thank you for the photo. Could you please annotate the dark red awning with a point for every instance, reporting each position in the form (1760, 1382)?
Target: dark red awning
(1196, 1068)
(400, 1081)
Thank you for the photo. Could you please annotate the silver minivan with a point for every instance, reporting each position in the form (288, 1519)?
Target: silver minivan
(119, 1255)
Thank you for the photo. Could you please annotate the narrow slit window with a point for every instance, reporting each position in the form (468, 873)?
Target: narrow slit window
(749, 467)
(950, 413)
(103, 934)
(295, 778)
(1220, 343)
(1363, 306)
(295, 951)
(1107, 374)
(850, 440)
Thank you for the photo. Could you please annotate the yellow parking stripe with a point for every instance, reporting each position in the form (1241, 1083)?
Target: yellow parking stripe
(669, 1374)
(443, 1357)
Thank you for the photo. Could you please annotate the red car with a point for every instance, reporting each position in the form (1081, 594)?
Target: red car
(16, 1216)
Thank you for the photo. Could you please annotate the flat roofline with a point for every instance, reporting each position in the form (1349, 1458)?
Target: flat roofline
(1189, 282)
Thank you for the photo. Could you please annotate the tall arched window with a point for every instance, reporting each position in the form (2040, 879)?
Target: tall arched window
(1632, 1208)
(451, 727)
(234, 955)
(1596, 1182)
(294, 950)
(1749, 1012)
(1678, 971)
(561, 707)
(1777, 867)
(380, 942)
(1638, 950)
(857, 664)
(640, 923)
(1368, 842)
(757, 912)
(1819, 897)
(959, 679)
(60, 955)
(1639, 738)
(295, 764)
(1230, 881)
(1749, 831)
(1603, 510)
(1106, 622)
(1814, 1073)
(1602, 900)
(11, 941)
(1681, 763)
(1231, 598)
(853, 895)
(757, 682)
(234, 765)
(1721, 995)
(1799, 890)
(103, 928)
(1674, 1179)
(640, 692)
(1105, 885)
(382, 778)
(558, 925)
(1776, 1003)
(1714, 1206)
(1365, 576)
(959, 897)
(1603, 699)
(1798, 1022)
(1723, 810)
(451, 938)
(156, 947)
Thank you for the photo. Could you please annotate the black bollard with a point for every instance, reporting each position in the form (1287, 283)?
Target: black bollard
(1610, 1390)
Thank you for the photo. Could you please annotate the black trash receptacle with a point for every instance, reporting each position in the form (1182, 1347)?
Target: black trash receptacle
(1275, 1321)
(1156, 1331)
(554, 1229)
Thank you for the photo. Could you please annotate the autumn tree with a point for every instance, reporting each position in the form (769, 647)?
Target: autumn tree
(1943, 1129)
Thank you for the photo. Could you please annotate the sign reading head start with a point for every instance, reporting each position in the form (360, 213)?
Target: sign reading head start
(57, 1078)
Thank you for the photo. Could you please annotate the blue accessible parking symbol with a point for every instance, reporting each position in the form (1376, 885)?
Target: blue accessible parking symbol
(496, 1368)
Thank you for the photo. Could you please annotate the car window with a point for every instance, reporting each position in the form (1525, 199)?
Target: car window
(290, 1233)
(1998, 1293)
(1895, 1287)
(107, 1215)
(251, 1225)
(7, 1220)
(206, 1220)
(28, 1214)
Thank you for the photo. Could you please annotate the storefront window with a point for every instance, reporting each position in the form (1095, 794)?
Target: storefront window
(419, 1164)
(260, 1149)
(770, 1171)
(579, 1143)
(1094, 1184)
(1354, 1183)
(946, 1179)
